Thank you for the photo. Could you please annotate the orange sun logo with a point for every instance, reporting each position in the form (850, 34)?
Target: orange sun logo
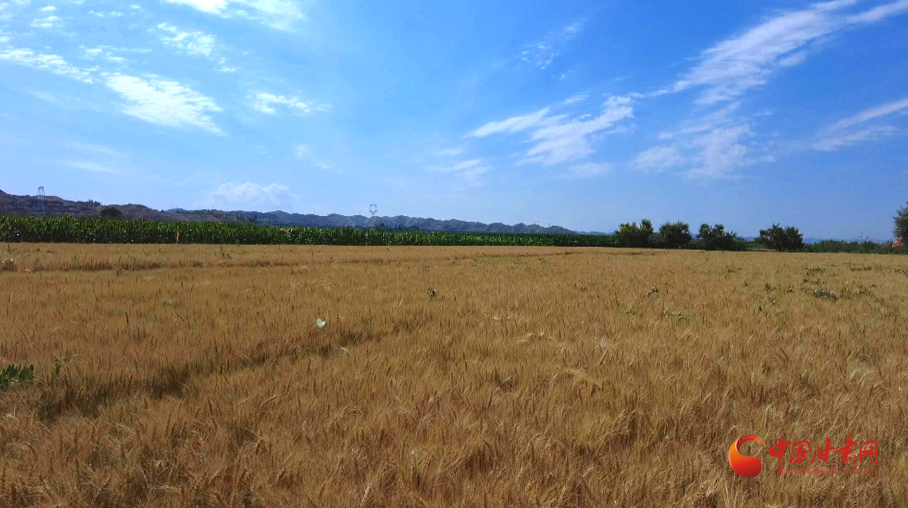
(745, 465)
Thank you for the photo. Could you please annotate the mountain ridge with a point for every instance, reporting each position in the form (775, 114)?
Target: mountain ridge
(53, 205)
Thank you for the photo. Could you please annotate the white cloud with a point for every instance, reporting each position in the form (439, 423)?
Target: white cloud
(880, 12)
(738, 64)
(833, 142)
(264, 103)
(473, 176)
(193, 43)
(49, 8)
(45, 62)
(91, 148)
(848, 131)
(251, 195)
(868, 114)
(589, 170)
(165, 102)
(48, 22)
(450, 152)
(557, 139)
(278, 14)
(659, 158)
(469, 172)
(303, 152)
(574, 99)
(721, 152)
(461, 166)
(226, 68)
(46, 97)
(511, 125)
(89, 166)
(209, 6)
(541, 54)
(706, 123)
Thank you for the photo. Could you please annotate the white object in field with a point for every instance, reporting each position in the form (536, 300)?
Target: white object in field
(319, 323)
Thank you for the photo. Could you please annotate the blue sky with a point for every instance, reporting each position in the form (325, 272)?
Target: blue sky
(581, 114)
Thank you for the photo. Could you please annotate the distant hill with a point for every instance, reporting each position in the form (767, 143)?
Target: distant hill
(29, 205)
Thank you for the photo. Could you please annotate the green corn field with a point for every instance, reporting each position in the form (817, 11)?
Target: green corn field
(104, 230)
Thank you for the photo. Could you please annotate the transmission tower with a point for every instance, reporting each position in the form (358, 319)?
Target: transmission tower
(373, 210)
(41, 200)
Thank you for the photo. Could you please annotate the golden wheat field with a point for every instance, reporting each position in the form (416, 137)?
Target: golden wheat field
(538, 377)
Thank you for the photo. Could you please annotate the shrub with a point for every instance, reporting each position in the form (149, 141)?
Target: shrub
(632, 235)
(715, 238)
(8, 265)
(674, 235)
(111, 211)
(782, 239)
(13, 374)
(901, 223)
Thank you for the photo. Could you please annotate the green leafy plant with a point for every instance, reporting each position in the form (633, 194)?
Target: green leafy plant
(675, 235)
(15, 374)
(68, 229)
(782, 239)
(111, 211)
(715, 238)
(901, 223)
(632, 235)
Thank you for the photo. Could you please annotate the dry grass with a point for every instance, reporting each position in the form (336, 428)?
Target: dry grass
(195, 376)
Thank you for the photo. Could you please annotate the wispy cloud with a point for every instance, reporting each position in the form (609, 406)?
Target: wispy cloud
(738, 64)
(833, 142)
(705, 123)
(47, 23)
(469, 172)
(574, 99)
(93, 148)
(278, 14)
(721, 152)
(264, 103)
(164, 102)
(868, 114)
(880, 12)
(511, 125)
(89, 166)
(851, 130)
(192, 43)
(588, 170)
(304, 152)
(45, 62)
(558, 139)
(450, 152)
(715, 145)
(249, 194)
(542, 53)
(659, 158)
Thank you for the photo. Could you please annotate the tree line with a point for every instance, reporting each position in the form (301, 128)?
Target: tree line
(677, 235)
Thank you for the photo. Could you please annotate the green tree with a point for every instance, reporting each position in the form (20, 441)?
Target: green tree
(675, 234)
(632, 235)
(901, 223)
(782, 239)
(715, 238)
(111, 211)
